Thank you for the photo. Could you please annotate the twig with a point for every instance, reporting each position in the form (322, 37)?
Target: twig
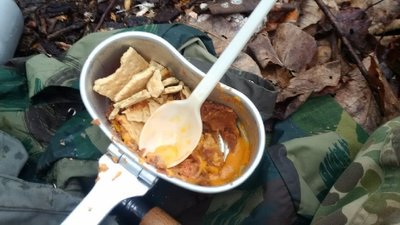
(374, 4)
(106, 12)
(352, 52)
(65, 30)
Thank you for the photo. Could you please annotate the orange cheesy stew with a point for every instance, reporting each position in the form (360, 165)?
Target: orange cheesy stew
(136, 95)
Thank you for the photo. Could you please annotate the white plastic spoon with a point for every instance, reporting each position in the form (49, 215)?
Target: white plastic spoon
(174, 130)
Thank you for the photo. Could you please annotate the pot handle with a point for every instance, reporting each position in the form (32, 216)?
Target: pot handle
(114, 184)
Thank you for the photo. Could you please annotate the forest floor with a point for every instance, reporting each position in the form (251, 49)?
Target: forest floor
(349, 49)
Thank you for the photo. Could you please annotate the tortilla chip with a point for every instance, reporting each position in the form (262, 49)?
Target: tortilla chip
(133, 128)
(173, 89)
(138, 97)
(163, 70)
(157, 65)
(137, 83)
(170, 81)
(138, 112)
(113, 114)
(131, 63)
(185, 92)
(153, 105)
(165, 73)
(155, 85)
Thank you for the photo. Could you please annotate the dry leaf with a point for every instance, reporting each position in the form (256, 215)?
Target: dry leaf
(390, 103)
(383, 13)
(312, 81)
(263, 51)
(294, 47)
(311, 14)
(220, 30)
(356, 99)
(354, 24)
(245, 63)
(278, 76)
(324, 52)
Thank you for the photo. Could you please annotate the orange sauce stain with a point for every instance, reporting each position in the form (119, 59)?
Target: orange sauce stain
(236, 160)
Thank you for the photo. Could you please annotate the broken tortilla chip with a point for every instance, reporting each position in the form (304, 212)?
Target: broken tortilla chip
(131, 63)
(185, 92)
(155, 85)
(170, 81)
(137, 83)
(113, 113)
(138, 97)
(173, 89)
(138, 113)
(133, 128)
(153, 105)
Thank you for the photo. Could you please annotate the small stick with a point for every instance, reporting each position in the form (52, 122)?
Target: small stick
(352, 52)
(106, 12)
(65, 30)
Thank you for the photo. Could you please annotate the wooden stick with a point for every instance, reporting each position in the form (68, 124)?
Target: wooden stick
(106, 12)
(65, 30)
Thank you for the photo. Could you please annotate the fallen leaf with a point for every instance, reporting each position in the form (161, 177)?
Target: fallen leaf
(263, 51)
(220, 30)
(305, 84)
(245, 63)
(278, 76)
(284, 109)
(324, 53)
(311, 14)
(356, 99)
(354, 24)
(294, 47)
(331, 4)
(390, 103)
(383, 13)
(312, 81)
(362, 4)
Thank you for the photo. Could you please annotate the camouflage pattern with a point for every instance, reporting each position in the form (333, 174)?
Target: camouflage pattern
(318, 154)
(306, 156)
(368, 191)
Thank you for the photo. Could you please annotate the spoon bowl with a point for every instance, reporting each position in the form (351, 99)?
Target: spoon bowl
(178, 126)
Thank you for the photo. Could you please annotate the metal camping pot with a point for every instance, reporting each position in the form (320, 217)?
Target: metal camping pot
(125, 174)
(135, 177)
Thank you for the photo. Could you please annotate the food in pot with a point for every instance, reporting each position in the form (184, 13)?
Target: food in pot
(138, 87)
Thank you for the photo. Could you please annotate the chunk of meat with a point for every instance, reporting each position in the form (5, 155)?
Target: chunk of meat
(222, 119)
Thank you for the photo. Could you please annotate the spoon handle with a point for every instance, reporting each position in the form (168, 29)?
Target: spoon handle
(227, 57)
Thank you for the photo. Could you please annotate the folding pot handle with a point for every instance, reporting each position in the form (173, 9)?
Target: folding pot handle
(114, 184)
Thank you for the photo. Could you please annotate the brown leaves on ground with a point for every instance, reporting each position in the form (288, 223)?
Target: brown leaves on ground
(298, 49)
(304, 56)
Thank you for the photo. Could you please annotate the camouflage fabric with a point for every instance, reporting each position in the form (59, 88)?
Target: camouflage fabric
(308, 153)
(368, 191)
(309, 159)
